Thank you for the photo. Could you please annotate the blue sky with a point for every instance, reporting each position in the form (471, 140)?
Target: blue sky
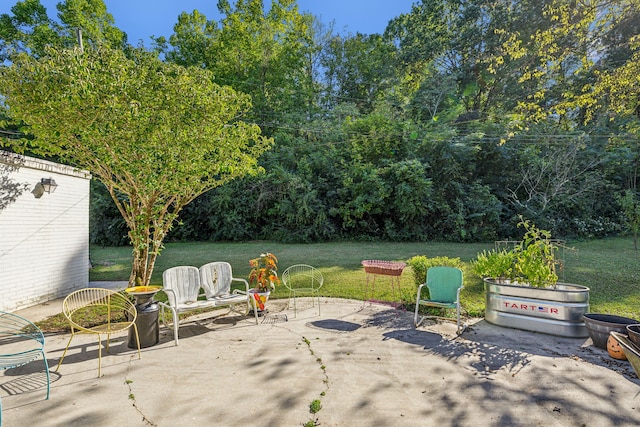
(141, 19)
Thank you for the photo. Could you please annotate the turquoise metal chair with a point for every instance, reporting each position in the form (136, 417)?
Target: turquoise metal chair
(21, 342)
(444, 284)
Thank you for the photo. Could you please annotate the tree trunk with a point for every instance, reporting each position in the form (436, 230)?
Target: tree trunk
(147, 245)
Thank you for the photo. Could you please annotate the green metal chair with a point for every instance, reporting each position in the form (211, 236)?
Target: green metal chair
(444, 284)
(302, 279)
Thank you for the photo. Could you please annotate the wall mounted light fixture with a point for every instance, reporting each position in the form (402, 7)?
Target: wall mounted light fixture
(49, 185)
(46, 185)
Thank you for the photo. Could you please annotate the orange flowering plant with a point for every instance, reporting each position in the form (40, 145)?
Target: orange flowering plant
(264, 272)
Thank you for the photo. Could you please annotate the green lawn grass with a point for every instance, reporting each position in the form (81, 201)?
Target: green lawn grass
(610, 268)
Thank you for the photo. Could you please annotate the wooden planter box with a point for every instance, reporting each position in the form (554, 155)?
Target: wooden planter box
(555, 311)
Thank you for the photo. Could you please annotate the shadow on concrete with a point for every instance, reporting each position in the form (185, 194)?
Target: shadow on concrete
(335, 325)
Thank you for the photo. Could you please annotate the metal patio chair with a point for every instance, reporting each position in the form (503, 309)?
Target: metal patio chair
(303, 279)
(21, 342)
(444, 284)
(116, 313)
(216, 278)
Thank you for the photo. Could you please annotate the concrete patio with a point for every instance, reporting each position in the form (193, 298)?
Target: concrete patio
(365, 362)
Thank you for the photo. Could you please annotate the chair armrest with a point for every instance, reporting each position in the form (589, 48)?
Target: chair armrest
(246, 285)
(420, 288)
(171, 297)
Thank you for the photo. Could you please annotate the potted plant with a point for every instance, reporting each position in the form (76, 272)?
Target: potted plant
(522, 289)
(531, 262)
(263, 278)
(496, 264)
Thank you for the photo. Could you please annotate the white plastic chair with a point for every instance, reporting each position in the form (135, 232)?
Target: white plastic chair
(303, 279)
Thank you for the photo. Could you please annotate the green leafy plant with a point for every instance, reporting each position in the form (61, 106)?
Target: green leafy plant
(315, 406)
(264, 272)
(532, 261)
(498, 263)
(631, 210)
(420, 264)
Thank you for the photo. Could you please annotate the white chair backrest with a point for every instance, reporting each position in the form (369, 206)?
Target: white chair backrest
(215, 278)
(184, 280)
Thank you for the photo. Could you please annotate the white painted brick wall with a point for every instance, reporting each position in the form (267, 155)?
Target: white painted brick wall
(44, 242)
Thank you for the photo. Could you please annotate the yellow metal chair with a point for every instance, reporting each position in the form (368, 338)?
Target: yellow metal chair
(115, 311)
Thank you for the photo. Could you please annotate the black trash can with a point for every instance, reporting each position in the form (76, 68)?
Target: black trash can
(147, 324)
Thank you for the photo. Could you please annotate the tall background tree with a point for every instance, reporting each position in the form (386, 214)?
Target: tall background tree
(458, 119)
(30, 28)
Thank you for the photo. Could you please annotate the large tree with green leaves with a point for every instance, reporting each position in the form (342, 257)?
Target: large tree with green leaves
(264, 53)
(359, 69)
(156, 134)
(578, 58)
(30, 29)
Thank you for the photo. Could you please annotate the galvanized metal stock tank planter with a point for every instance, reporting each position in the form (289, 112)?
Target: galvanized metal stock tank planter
(555, 310)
